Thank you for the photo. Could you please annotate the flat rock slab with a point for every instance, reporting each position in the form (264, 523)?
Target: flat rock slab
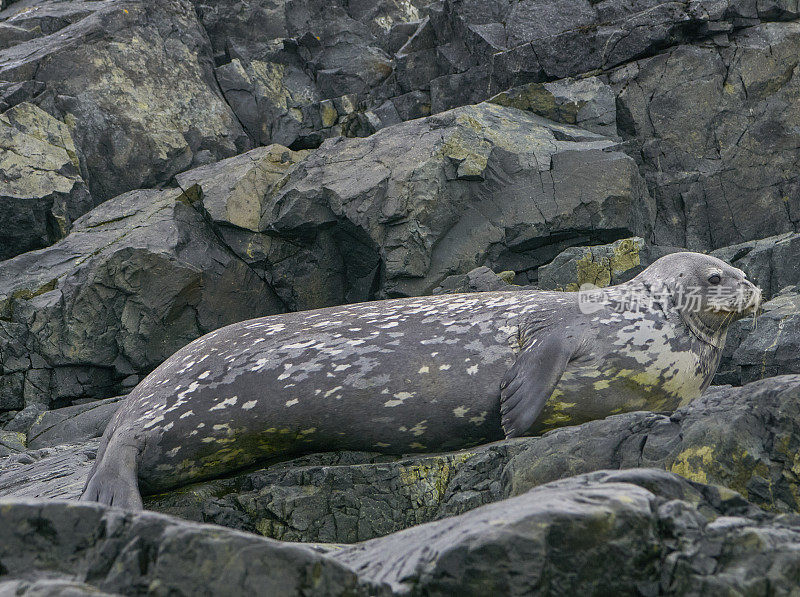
(58, 472)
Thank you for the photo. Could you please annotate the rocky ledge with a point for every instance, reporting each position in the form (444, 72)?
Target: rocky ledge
(641, 531)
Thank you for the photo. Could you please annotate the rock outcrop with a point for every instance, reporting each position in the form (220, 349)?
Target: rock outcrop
(137, 278)
(643, 531)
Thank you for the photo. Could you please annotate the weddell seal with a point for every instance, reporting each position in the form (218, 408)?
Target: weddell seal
(420, 375)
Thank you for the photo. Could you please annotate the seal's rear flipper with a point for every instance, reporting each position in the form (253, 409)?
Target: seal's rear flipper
(113, 481)
(529, 383)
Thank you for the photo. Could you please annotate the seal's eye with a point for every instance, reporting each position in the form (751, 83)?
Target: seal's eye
(715, 278)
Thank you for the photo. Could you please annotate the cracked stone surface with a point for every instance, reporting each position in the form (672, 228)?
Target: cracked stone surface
(424, 194)
(42, 190)
(640, 531)
(134, 82)
(137, 278)
(715, 131)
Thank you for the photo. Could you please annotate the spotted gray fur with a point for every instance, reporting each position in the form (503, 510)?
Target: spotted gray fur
(408, 375)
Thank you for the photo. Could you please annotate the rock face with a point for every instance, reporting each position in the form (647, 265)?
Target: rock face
(110, 69)
(771, 263)
(137, 278)
(42, 190)
(421, 196)
(644, 531)
(716, 135)
(765, 346)
(88, 549)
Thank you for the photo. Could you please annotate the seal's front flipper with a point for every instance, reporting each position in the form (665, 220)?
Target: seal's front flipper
(113, 481)
(529, 383)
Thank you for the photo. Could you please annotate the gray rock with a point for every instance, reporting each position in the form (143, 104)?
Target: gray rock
(588, 103)
(601, 265)
(57, 546)
(604, 533)
(772, 263)
(58, 472)
(716, 136)
(42, 190)
(72, 424)
(234, 191)
(767, 346)
(480, 279)
(423, 196)
(11, 442)
(134, 82)
(137, 278)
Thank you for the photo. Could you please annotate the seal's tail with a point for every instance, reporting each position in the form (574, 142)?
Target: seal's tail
(113, 481)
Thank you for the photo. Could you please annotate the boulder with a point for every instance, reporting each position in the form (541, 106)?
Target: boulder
(765, 346)
(441, 195)
(600, 265)
(772, 263)
(236, 192)
(72, 424)
(588, 103)
(57, 472)
(634, 532)
(480, 279)
(613, 532)
(133, 80)
(57, 547)
(137, 278)
(42, 190)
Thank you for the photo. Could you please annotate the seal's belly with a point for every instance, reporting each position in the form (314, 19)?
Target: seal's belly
(588, 392)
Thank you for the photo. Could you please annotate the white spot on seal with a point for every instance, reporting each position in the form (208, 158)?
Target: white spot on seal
(460, 411)
(292, 402)
(188, 413)
(472, 370)
(259, 364)
(249, 404)
(152, 422)
(399, 398)
(173, 452)
(444, 367)
(204, 374)
(299, 345)
(424, 369)
(225, 403)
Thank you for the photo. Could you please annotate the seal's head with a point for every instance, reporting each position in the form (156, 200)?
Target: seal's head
(708, 293)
